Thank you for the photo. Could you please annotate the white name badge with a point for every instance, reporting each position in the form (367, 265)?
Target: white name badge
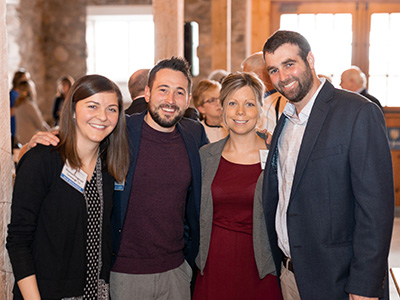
(119, 186)
(75, 178)
(263, 157)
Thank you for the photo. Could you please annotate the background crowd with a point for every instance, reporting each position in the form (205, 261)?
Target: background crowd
(175, 202)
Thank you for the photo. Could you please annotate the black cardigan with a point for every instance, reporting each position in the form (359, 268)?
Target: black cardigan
(47, 233)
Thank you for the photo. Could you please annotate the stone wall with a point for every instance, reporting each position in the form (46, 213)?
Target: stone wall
(30, 40)
(6, 278)
(64, 49)
(48, 39)
(238, 34)
(13, 29)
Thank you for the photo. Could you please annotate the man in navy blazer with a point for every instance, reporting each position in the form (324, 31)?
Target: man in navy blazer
(156, 211)
(328, 186)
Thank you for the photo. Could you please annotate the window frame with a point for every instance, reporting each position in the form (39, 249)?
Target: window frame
(361, 13)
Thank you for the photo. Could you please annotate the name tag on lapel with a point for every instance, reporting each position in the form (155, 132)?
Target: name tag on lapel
(119, 186)
(263, 158)
(75, 178)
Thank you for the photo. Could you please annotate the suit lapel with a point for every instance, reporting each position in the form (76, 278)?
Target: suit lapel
(273, 149)
(134, 125)
(314, 125)
(194, 159)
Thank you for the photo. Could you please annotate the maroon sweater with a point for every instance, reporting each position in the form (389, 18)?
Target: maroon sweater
(152, 236)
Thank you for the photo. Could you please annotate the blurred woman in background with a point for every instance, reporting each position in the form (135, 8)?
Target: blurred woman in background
(28, 117)
(64, 83)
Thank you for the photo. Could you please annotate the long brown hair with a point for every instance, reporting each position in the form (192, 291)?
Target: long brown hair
(114, 148)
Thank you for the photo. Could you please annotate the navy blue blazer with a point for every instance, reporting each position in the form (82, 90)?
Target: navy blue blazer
(341, 208)
(194, 137)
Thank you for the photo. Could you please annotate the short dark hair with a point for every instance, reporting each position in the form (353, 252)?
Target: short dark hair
(282, 37)
(114, 148)
(173, 63)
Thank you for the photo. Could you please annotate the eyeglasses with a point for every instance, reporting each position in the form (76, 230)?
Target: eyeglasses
(212, 101)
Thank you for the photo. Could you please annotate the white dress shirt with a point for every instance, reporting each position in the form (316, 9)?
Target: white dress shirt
(288, 151)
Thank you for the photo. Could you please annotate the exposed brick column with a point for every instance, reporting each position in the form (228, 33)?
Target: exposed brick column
(6, 278)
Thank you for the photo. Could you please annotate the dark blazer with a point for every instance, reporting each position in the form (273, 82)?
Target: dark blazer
(48, 230)
(194, 137)
(365, 93)
(341, 208)
(137, 106)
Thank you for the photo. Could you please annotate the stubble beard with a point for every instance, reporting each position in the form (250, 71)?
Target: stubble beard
(166, 122)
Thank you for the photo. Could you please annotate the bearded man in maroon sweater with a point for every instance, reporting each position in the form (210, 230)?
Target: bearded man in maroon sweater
(156, 213)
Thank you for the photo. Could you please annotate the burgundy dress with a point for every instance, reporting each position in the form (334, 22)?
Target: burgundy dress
(231, 271)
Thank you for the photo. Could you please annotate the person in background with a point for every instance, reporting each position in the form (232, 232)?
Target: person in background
(136, 84)
(59, 238)
(327, 77)
(329, 201)
(274, 102)
(234, 259)
(354, 80)
(218, 75)
(206, 99)
(20, 75)
(28, 117)
(64, 83)
(192, 113)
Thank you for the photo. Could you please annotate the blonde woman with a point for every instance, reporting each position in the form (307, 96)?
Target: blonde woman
(234, 258)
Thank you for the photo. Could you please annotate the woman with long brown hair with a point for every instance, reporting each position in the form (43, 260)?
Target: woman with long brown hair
(59, 238)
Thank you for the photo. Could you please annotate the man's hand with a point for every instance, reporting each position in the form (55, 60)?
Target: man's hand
(44, 138)
(356, 297)
(268, 136)
(41, 137)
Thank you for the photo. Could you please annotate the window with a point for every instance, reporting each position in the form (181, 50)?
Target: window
(120, 40)
(384, 66)
(344, 34)
(330, 37)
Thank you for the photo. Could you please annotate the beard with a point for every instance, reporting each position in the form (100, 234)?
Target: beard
(166, 122)
(305, 83)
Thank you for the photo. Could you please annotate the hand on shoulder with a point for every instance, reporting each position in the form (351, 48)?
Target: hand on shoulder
(41, 137)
